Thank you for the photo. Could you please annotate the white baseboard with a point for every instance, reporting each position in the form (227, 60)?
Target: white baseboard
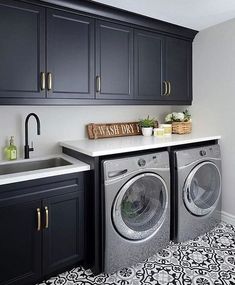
(228, 218)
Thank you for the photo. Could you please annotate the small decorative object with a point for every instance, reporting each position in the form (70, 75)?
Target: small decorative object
(158, 132)
(181, 122)
(97, 131)
(167, 129)
(147, 126)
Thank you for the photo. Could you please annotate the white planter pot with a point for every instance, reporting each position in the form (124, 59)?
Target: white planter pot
(147, 132)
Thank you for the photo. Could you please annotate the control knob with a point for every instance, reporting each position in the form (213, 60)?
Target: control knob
(141, 162)
(202, 152)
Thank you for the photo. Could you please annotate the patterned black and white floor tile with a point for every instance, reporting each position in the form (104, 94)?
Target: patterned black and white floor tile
(207, 260)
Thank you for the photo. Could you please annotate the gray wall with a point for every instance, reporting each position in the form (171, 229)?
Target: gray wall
(213, 108)
(64, 123)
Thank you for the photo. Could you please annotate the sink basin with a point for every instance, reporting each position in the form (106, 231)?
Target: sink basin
(27, 165)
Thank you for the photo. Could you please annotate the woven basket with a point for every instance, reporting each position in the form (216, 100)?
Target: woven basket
(181, 128)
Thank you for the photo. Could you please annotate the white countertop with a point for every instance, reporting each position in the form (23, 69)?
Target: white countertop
(76, 166)
(109, 146)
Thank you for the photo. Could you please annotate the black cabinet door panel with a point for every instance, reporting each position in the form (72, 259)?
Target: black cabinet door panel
(22, 51)
(179, 69)
(20, 243)
(70, 55)
(149, 55)
(114, 61)
(63, 239)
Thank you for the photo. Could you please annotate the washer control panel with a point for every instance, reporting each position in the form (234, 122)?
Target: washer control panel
(115, 169)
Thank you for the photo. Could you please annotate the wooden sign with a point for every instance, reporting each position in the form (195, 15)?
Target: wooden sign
(97, 131)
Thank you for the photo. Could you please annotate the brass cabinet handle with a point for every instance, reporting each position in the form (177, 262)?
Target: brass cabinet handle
(169, 88)
(165, 87)
(49, 80)
(47, 217)
(43, 80)
(39, 219)
(98, 83)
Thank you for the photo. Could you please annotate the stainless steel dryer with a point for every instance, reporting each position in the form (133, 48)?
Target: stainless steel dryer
(196, 199)
(137, 214)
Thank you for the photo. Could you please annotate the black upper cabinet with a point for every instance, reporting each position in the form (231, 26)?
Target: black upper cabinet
(70, 55)
(22, 53)
(20, 243)
(63, 236)
(149, 55)
(178, 76)
(92, 55)
(114, 61)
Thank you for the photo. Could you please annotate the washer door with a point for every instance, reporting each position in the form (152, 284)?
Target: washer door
(202, 189)
(140, 206)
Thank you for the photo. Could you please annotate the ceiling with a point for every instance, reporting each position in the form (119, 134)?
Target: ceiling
(194, 14)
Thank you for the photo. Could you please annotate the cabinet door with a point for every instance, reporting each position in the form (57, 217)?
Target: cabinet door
(149, 55)
(20, 243)
(114, 61)
(22, 51)
(70, 55)
(179, 70)
(63, 235)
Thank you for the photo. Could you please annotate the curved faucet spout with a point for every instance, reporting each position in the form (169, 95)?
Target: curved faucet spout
(27, 149)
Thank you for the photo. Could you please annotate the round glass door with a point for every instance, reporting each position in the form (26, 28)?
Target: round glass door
(202, 189)
(140, 206)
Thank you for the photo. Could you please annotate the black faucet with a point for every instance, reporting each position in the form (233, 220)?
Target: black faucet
(27, 149)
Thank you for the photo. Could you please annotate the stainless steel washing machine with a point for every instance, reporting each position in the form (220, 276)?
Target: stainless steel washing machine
(137, 213)
(196, 193)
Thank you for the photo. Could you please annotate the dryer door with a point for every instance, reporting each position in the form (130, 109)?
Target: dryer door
(140, 206)
(202, 189)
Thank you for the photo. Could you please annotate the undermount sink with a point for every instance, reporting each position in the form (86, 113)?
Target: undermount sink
(27, 165)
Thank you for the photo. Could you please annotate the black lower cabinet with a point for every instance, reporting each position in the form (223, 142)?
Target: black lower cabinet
(63, 236)
(41, 229)
(20, 243)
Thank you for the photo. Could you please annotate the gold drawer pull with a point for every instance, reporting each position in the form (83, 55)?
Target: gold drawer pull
(165, 88)
(49, 80)
(169, 88)
(47, 217)
(98, 84)
(39, 219)
(43, 80)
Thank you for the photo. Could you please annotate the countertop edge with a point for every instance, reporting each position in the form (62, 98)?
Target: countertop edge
(138, 148)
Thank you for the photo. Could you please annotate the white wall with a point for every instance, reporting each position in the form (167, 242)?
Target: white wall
(64, 123)
(213, 108)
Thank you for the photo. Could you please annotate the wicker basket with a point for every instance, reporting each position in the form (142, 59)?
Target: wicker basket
(181, 128)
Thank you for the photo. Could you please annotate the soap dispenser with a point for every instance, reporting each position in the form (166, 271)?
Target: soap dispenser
(11, 150)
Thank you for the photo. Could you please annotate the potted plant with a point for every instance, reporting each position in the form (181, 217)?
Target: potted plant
(147, 126)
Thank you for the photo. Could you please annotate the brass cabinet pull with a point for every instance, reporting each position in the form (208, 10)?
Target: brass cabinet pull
(165, 87)
(43, 80)
(49, 80)
(98, 83)
(39, 219)
(169, 88)
(47, 217)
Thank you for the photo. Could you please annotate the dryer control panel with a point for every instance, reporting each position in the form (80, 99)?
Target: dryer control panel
(190, 155)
